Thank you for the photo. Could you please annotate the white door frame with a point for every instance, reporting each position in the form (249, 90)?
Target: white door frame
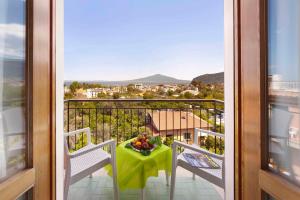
(59, 10)
(229, 97)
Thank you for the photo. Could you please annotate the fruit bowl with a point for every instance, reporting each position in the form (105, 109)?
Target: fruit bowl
(144, 144)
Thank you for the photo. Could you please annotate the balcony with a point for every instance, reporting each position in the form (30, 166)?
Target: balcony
(126, 118)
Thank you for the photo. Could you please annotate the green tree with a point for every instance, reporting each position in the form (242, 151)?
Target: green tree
(188, 95)
(170, 93)
(130, 88)
(148, 95)
(101, 95)
(75, 85)
(68, 95)
(168, 141)
(116, 95)
(209, 142)
(161, 91)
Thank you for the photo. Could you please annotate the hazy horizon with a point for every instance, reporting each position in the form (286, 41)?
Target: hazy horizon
(137, 78)
(129, 39)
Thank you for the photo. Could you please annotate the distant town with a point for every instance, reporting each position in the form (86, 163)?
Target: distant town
(209, 86)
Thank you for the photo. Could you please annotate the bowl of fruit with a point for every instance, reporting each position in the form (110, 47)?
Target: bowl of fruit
(144, 144)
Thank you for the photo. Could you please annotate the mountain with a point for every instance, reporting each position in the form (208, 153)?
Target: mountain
(149, 80)
(211, 78)
(159, 79)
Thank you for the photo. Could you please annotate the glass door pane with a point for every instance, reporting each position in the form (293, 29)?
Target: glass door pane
(13, 132)
(284, 88)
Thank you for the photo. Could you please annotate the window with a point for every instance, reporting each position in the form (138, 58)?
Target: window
(12, 88)
(187, 136)
(284, 88)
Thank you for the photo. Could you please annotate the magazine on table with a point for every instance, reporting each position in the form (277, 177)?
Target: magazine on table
(200, 160)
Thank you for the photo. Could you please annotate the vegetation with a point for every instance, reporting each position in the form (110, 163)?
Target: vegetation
(217, 78)
(122, 121)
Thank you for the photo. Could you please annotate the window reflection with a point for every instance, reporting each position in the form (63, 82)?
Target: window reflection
(284, 88)
(12, 87)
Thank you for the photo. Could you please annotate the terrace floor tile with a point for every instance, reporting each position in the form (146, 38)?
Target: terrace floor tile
(100, 186)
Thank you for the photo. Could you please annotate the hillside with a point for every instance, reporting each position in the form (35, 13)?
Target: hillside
(149, 80)
(211, 78)
(159, 79)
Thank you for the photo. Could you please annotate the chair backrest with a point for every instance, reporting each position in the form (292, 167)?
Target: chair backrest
(73, 133)
(202, 132)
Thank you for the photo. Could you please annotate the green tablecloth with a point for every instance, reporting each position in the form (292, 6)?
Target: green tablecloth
(134, 169)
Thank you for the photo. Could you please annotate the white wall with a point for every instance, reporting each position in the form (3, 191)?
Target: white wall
(59, 98)
(229, 98)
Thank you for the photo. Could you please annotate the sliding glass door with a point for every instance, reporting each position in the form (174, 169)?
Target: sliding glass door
(26, 114)
(268, 99)
(13, 115)
(283, 100)
(284, 88)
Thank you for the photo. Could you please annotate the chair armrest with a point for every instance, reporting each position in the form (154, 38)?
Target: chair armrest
(112, 143)
(196, 149)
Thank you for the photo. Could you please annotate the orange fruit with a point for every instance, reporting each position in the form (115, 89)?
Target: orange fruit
(138, 143)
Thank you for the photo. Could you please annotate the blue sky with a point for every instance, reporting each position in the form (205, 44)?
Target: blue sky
(126, 39)
(12, 29)
(284, 40)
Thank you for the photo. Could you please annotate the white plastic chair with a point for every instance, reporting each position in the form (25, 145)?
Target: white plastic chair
(87, 160)
(215, 176)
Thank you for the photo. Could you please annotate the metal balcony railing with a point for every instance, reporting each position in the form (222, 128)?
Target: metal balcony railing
(122, 119)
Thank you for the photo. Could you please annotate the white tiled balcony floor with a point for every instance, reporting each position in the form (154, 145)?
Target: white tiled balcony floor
(100, 187)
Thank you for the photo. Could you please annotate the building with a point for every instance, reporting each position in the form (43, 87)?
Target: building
(93, 93)
(138, 86)
(177, 123)
(193, 92)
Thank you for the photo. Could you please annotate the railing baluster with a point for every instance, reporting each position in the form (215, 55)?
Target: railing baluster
(82, 127)
(159, 121)
(131, 122)
(207, 115)
(200, 139)
(196, 142)
(220, 145)
(187, 125)
(152, 121)
(138, 122)
(68, 118)
(215, 126)
(145, 120)
(174, 125)
(124, 134)
(89, 117)
(117, 125)
(75, 126)
(180, 139)
(96, 125)
(103, 123)
(110, 113)
(200, 109)
(166, 129)
(220, 116)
